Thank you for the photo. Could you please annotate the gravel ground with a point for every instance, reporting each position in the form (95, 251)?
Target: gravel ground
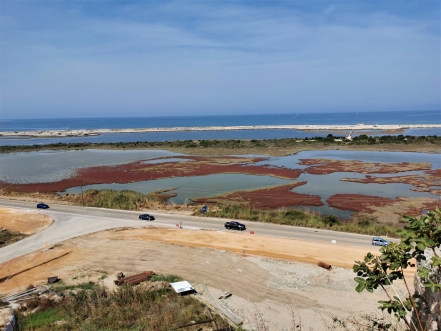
(267, 293)
(315, 296)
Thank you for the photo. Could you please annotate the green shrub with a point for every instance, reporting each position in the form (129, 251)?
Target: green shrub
(166, 278)
(330, 220)
(233, 144)
(60, 287)
(127, 200)
(364, 223)
(40, 319)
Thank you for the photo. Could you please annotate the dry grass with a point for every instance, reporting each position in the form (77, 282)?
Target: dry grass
(127, 308)
(8, 237)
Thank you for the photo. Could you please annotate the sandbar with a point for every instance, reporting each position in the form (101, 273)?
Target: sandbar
(94, 132)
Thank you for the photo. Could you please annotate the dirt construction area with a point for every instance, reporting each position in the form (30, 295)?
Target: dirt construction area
(25, 221)
(271, 279)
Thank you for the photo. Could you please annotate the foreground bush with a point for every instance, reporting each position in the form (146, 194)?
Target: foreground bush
(420, 241)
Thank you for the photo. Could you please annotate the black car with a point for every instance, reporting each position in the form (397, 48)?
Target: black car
(146, 217)
(42, 205)
(235, 225)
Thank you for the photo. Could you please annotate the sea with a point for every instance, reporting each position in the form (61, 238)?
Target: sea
(333, 118)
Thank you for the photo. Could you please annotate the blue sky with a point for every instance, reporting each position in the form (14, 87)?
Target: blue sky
(109, 58)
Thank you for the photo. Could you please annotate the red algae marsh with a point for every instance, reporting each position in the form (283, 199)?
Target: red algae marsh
(328, 182)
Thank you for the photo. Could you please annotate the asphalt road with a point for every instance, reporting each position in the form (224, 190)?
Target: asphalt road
(74, 221)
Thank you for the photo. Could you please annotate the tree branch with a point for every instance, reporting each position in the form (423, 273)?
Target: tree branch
(411, 301)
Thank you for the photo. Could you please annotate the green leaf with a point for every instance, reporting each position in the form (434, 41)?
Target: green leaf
(433, 286)
(360, 287)
(429, 242)
(421, 246)
(423, 272)
(436, 261)
(360, 280)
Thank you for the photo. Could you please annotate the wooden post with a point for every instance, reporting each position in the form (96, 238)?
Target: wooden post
(211, 316)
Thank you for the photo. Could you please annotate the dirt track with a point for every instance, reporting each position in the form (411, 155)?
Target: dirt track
(27, 222)
(258, 281)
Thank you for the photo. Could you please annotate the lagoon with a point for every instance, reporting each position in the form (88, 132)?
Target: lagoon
(50, 166)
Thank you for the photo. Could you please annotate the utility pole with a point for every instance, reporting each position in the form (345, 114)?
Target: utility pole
(82, 196)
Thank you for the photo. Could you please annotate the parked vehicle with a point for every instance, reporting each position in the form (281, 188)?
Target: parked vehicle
(42, 205)
(377, 241)
(146, 217)
(235, 225)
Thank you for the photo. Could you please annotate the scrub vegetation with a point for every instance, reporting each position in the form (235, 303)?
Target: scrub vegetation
(8, 237)
(245, 146)
(94, 307)
(125, 199)
(303, 218)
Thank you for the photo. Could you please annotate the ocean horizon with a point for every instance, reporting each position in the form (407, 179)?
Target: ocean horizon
(336, 118)
(329, 118)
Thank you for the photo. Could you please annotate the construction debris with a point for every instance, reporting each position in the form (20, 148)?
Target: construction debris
(25, 294)
(194, 323)
(52, 280)
(324, 265)
(183, 287)
(225, 295)
(222, 309)
(8, 323)
(134, 279)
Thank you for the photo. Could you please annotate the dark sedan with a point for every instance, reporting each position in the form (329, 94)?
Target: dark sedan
(42, 205)
(235, 225)
(146, 217)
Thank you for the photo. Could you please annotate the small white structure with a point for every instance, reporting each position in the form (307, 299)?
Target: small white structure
(183, 287)
(350, 135)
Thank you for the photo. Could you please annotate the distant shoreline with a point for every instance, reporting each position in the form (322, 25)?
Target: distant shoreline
(95, 132)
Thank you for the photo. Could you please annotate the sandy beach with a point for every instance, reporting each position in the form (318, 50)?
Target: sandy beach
(92, 132)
